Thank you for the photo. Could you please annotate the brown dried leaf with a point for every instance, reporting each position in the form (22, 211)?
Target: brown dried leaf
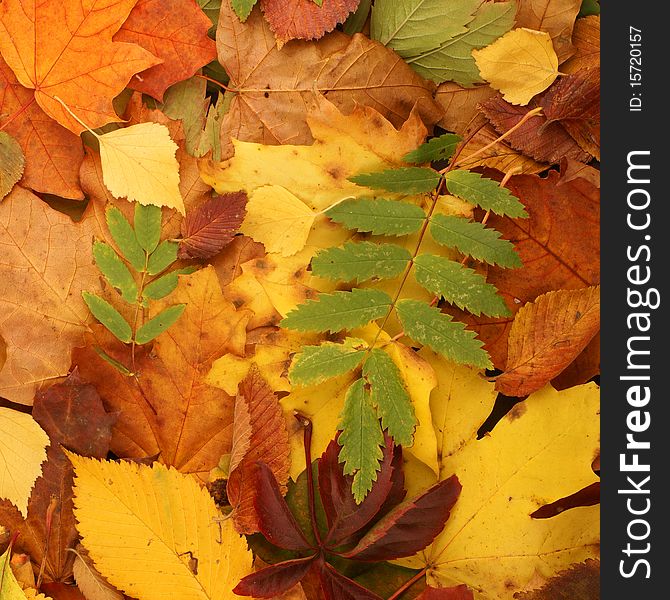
(93, 585)
(212, 225)
(584, 368)
(460, 104)
(546, 336)
(228, 263)
(586, 39)
(276, 88)
(580, 582)
(304, 19)
(459, 592)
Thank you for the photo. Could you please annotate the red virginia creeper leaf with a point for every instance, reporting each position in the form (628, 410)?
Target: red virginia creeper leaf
(275, 579)
(338, 587)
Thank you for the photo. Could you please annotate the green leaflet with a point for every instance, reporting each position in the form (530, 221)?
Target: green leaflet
(161, 287)
(158, 324)
(439, 148)
(12, 163)
(148, 226)
(406, 180)
(378, 216)
(242, 8)
(414, 26)
(432, 328)
(356, 20)
(161, 258)
(112, 361)
(108, 316)
(316, 364)
(124, 237)
(338, 311)
(389, 396)
(459, 285)
(115, 271)
(361, 440)
(359, 261)
(478, 190)
(452, 60)
(473, 239)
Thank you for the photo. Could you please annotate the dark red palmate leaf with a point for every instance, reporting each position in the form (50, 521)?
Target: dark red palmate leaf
(409, 527)
(460, 592)
(275, 579)
(338, 587)
(206, 230)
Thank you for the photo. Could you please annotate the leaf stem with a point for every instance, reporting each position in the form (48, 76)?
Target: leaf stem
(306, 424)
(215, 82)
(408, 584)
(76, 118)
(18, 113)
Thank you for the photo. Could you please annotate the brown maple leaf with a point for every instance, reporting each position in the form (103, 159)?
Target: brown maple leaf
(63, 50)
(460, 104)
(176, 32)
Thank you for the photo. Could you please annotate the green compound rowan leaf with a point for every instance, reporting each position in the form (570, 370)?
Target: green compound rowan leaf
(406, 180)
(12, 163)
(115, 271)
(359, 261)
(483, 192)
(378, 216)
(316, 364)
(473, 239)
(459, 285)
(158, 324)
(414, 26)
(432, 328)
(439, 148)
(242, 8)
(339, 310)
(389, 396)
(124, 237)
(452, 60)
(162, 257)
(161, 287)
(108, 316)
(148, 225)
(361, 440)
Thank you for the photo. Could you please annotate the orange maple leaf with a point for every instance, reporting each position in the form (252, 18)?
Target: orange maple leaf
(63, 49)
(174, 31)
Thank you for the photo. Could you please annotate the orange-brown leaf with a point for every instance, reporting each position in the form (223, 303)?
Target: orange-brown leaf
(268, 442)
(546, 336)
(586, 39)
(63, 49)
(304, 19)
(460, 104)
(582, 369)
(176, 32)
(579, 582)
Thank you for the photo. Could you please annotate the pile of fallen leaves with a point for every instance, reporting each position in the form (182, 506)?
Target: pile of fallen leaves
(299, 299)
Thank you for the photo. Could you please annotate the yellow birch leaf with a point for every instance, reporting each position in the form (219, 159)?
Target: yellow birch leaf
(139, 163)
(520, 64)
(22, 451)
(278, 220)
(152, 532)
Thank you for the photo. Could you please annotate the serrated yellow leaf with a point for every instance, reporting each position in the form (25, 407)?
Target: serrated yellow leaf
(152, 532)
(540, 452)
(22, 451)
(520, 64)
(278, 219)
(139, 163)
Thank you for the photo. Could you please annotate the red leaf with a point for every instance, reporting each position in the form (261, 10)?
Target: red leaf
(265, 438)
(460, 592)
(275, 520)
(338, 587)
(212, 225)
(411, 526)
(275, 579)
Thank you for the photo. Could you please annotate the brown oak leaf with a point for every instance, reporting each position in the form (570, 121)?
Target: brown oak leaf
(176, 32)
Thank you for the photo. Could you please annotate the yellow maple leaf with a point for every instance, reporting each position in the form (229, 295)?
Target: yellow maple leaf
(490, 542)
(22, 451)
(154, 533)
(520, 64)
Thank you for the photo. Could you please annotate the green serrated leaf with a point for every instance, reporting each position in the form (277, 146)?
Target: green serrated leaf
(12, 163)
(124, 237)
(483, 192)
(432, 328)
(359, 261)
(406, 180)
(242, 8)
(414, 26)
(473, 239)
(112, 361)
(161, 287)
(361, 440)
(452, 60)
(389, 396)
(108, 316)
(115, 271)
(158, 324)
(164, 255)
(459, 285)
(378, 216)
(338, 311)
(439, 148)
(148, 226)
(356, 20)
(316, 364)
